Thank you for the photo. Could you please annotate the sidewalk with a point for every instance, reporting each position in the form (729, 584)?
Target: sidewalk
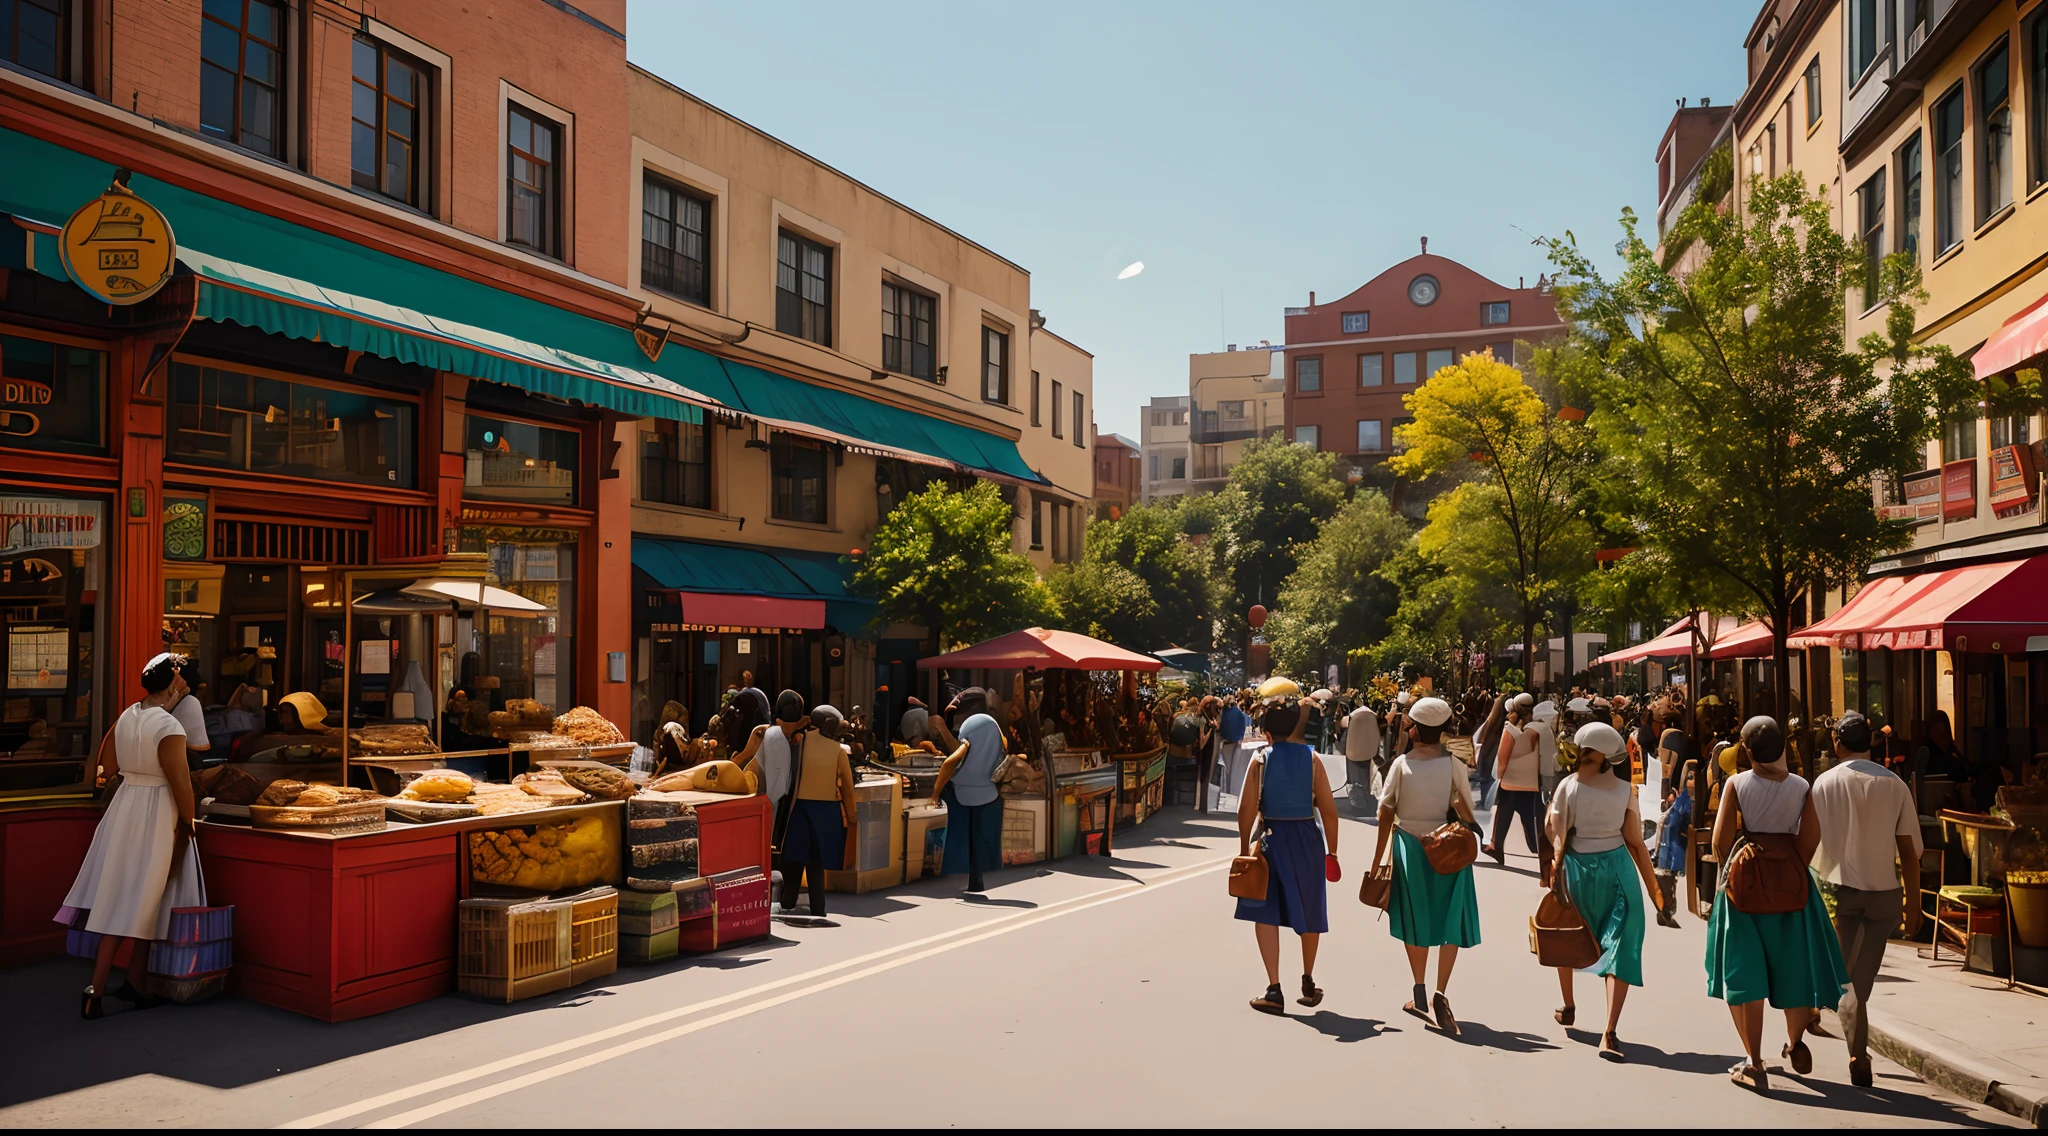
(1961, 1031)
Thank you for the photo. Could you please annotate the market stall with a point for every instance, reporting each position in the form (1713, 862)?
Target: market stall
(1087, 753)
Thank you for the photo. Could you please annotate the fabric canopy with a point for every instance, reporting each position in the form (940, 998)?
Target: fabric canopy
(2017, 340)
(1037, 647)
(474, 593)
(730, 572)
(462, 325)
(752, 611)
(1182, 659)
(1994, 608)
(1676, 640)
(1752, 640)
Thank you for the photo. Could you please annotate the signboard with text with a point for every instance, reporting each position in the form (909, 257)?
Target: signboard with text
(1959, 490)
(28, 524)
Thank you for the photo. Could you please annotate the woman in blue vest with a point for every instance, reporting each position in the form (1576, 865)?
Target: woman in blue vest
(1287, 789)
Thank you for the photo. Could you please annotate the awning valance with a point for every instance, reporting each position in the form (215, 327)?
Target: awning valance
(1752, 640)
(716, 585)
(2017, 340)
(1676, 641)
(1995, 608)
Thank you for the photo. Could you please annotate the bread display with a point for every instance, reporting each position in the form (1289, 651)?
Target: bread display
(391, 741)
(227, 784)
(544, 857)
(588, 727)
(446, 785)
(549, 786)
(605, 783)
(298, 794)
(281, 792)
(711, 777)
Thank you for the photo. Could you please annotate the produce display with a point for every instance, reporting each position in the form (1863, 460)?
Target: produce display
(585, 726)
(521, 713)
(544, 856)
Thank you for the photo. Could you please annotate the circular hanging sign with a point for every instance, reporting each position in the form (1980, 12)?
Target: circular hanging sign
(118, 247)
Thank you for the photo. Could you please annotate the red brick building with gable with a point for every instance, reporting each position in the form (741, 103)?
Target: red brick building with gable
(1350, 362)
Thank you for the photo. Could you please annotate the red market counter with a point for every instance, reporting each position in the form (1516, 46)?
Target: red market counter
(40, 851)
(344, 927)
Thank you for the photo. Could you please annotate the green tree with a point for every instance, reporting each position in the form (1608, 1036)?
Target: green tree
(1742, 435)
(1105, 600)
(1175, 603)
(1336, 600)
(942, 558)
(1516, 520)
(1278, 495)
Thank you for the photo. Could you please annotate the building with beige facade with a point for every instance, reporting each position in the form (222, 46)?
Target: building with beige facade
(1163, 445)
(1233, 397)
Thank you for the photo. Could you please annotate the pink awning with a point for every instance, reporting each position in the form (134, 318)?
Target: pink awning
(1752, 640)
(2017, 340)
(713, 610)
(1037, 647)
(1995, 608)
(1676, 641)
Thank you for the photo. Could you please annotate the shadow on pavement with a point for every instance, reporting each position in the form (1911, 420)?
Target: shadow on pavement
(1338, 1027)
(985, 901)
(1641, 1054)
(1884, 1102)
(1507, 1041)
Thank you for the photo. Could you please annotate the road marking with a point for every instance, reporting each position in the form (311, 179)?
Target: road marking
(960, 936)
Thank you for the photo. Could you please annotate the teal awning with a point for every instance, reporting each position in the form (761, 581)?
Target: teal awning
(559, 352)
(746, 570)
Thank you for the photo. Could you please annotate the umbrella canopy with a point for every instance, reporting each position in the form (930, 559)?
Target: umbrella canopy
(1037, 647)
(1182, 659)
(393, 601)
(471, 593)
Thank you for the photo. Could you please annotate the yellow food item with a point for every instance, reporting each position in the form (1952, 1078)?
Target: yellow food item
(588, 727)
(448, 786)
(544, 857)
(711, 777)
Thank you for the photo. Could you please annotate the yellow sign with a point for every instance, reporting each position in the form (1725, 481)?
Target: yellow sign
(118, 247)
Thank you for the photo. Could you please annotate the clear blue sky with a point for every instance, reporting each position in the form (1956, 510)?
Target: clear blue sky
(1247, 153)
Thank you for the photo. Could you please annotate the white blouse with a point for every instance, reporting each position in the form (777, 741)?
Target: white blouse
(1419, 789)
(1596, 815)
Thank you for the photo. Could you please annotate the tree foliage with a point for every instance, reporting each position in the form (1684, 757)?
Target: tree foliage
(1517, 521)
(942, 558)
(1741, 436)
(1174, 571)
(1278, 495)
(1336, 600)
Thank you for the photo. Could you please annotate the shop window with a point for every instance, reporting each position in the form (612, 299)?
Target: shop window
(388, 124)
(50, 396)
(533, 181)
(908, 317)
(36, 35)
(241, 74)
(505, 655)
(675, 464)
(803, 288)
(798, 479)
(1959, 439)
(519, 461)
(675, 241)
(49, 578)
(255, 424)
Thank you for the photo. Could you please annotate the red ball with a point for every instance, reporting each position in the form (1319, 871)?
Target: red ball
(1256, 616)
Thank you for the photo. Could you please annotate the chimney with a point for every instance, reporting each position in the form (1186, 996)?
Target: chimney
(1425, 246)
(1230, 347)
(1311, 299)
(1703, 100)
(1521, 281)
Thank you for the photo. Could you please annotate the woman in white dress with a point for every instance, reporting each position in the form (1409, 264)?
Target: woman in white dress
(140, 865)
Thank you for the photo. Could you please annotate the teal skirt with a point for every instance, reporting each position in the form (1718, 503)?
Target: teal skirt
(1427, 909)
(1603, 886)
(1794, 959)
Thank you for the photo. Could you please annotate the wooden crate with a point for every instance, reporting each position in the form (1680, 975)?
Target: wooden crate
(508, 949)
(593, 934)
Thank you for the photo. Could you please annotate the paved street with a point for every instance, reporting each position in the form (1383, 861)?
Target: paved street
(1085, 993)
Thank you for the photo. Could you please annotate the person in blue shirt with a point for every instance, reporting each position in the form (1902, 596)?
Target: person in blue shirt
(974, 810)
(1231, 727)
(1288, 806)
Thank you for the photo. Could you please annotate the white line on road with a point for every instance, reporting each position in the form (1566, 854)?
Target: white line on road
(960, 937)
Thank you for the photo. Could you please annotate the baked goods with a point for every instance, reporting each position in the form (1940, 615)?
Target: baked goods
(605, 783)
(281, 792)
(588, 727)
(545, 857)
(521, 713)
(711, 777)
(227, 784)
(548, 785)
(317, 797)
(447, 785)
(540, 739)
(391, 741)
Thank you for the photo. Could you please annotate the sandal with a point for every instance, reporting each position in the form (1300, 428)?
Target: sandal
(1800, 1057)
(1418, 1003)
(1750, 1076)
(1445, 1020)
(90, 1008)
(1565, 1015)
(1859, 1072)
(1271, 1002)
(1311, 994)
(1610, 1048)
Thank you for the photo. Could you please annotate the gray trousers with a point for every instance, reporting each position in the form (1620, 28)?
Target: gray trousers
(1863, 921)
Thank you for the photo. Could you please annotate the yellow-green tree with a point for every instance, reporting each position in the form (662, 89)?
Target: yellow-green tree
(1514, 518)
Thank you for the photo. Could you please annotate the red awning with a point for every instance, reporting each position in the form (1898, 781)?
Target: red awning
(2017, 340)
(714, 610)
(1676, 641)
(1752, 640)
(1993, 608)
(1037, 647)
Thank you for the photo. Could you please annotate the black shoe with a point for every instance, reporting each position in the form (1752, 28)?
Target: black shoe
(1271, 1002)
(1311, 994)
(90, 1008)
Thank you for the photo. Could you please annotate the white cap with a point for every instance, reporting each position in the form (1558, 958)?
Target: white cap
(1579, 706)
(1403, 698)
(1600, 736)
(1430, 711)
(1544, 711)
(1525, 700)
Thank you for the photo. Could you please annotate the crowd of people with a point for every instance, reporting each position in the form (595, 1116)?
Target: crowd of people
(1570, 777)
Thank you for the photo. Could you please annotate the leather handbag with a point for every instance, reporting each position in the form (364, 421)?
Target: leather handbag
(1558, 935)
(1765, 873)
(1377, 888)
(1451, 847)
(1248, 875)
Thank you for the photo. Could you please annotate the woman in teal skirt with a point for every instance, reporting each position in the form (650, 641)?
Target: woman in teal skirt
(1594, 817)
(1424, 788)
(1792, 959)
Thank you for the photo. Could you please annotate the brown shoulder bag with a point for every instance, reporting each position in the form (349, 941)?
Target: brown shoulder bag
(1558, 935)
(1248, 875)
(1451, 847)
(1765, 874)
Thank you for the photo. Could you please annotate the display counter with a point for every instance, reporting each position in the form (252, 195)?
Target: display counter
(40, 852)
(1141, 786)
(1084, 801)
(878, 839)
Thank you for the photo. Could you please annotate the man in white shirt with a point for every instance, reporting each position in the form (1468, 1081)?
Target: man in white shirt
(1869, 840)
(1361, 744)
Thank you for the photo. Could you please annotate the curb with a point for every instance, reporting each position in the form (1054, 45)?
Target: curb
(1940, 1065)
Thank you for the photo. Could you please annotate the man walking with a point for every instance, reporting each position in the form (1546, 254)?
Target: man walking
(1869, 842)
(1361, 745)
